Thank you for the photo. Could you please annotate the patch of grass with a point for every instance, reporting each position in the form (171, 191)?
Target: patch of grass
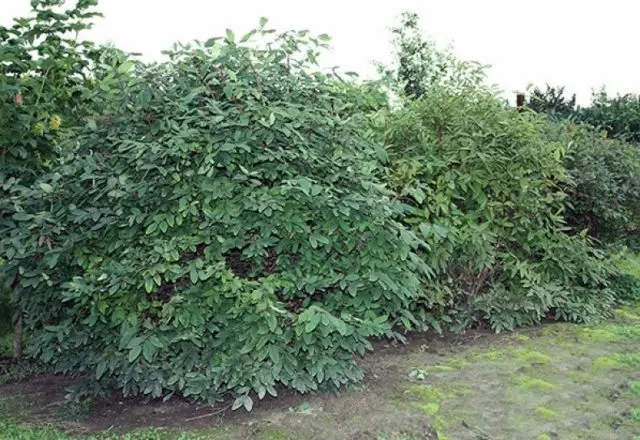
(271, 433)
(634, 387)
(617, 361)
(532, 383)
(424, 393)
(626, 331)
(524, 355)
(75, 411)
(579, 377)
(543, 413)
(430, 409)
(15, 431)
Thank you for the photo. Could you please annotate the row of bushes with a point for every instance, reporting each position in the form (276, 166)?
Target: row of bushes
(603, 158)
(241, 221)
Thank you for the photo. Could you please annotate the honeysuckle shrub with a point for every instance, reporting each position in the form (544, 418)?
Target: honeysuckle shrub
(233, 219)
(485, 189)
(222, 231)
(604, 194)
(44, 87)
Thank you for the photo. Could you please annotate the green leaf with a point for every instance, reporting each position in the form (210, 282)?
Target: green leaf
(312, 323)
(193, 275)
(46, 187)
(126, 66)
(101, 368)
(425, 229)
(230, 36)
(156, 342)
(263, 21)
(22, 216)
(134, 353)
(305, 185)
(148, 350)
(248, 403)
(271, 390)
(315, 238)
(381, 153)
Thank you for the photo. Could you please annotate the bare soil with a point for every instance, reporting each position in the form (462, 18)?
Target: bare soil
(560, 381)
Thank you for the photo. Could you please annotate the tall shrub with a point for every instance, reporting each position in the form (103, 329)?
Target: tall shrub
(221, 231)
(43, 88)
(485, 189)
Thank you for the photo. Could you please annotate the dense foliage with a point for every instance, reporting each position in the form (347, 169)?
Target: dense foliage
(619, 116)
(222, 232)
(44, 85)
(604, 195)
(485, 188)
(43, 81)
(552, 102)
(233, 219)
(603, 161)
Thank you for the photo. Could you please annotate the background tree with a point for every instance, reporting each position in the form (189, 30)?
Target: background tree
(419, 63)
(619, 116)
(552, 101)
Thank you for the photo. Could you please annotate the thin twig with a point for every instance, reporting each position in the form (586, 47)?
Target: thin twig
(208, 414)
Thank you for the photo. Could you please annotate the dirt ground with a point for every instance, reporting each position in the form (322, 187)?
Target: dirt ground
(560, 381)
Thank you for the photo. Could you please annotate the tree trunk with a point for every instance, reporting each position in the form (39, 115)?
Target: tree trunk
(17, 327)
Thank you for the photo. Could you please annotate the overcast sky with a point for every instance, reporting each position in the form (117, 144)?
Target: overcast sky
(582, 44)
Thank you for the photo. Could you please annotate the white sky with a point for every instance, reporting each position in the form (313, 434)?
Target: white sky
(582, 44)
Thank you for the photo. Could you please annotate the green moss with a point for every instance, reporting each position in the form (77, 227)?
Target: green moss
(424, 393)
(579, 377)
(532, 383)
(634, 387)
(531, 356)
(599, 335)
(491, 355)
(520, 355)
(430, 409)
(458, 364)
(272, 433)
(635, 414)
(543, 413)
(521, 338)
(626, 331)
(627, 314)
(617, 361)
(543, 437)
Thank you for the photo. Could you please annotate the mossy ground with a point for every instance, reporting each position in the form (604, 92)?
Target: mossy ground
(560, 381)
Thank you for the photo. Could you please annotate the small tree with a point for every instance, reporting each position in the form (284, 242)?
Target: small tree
(619, 116)
(552, 101)
(419, 63)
